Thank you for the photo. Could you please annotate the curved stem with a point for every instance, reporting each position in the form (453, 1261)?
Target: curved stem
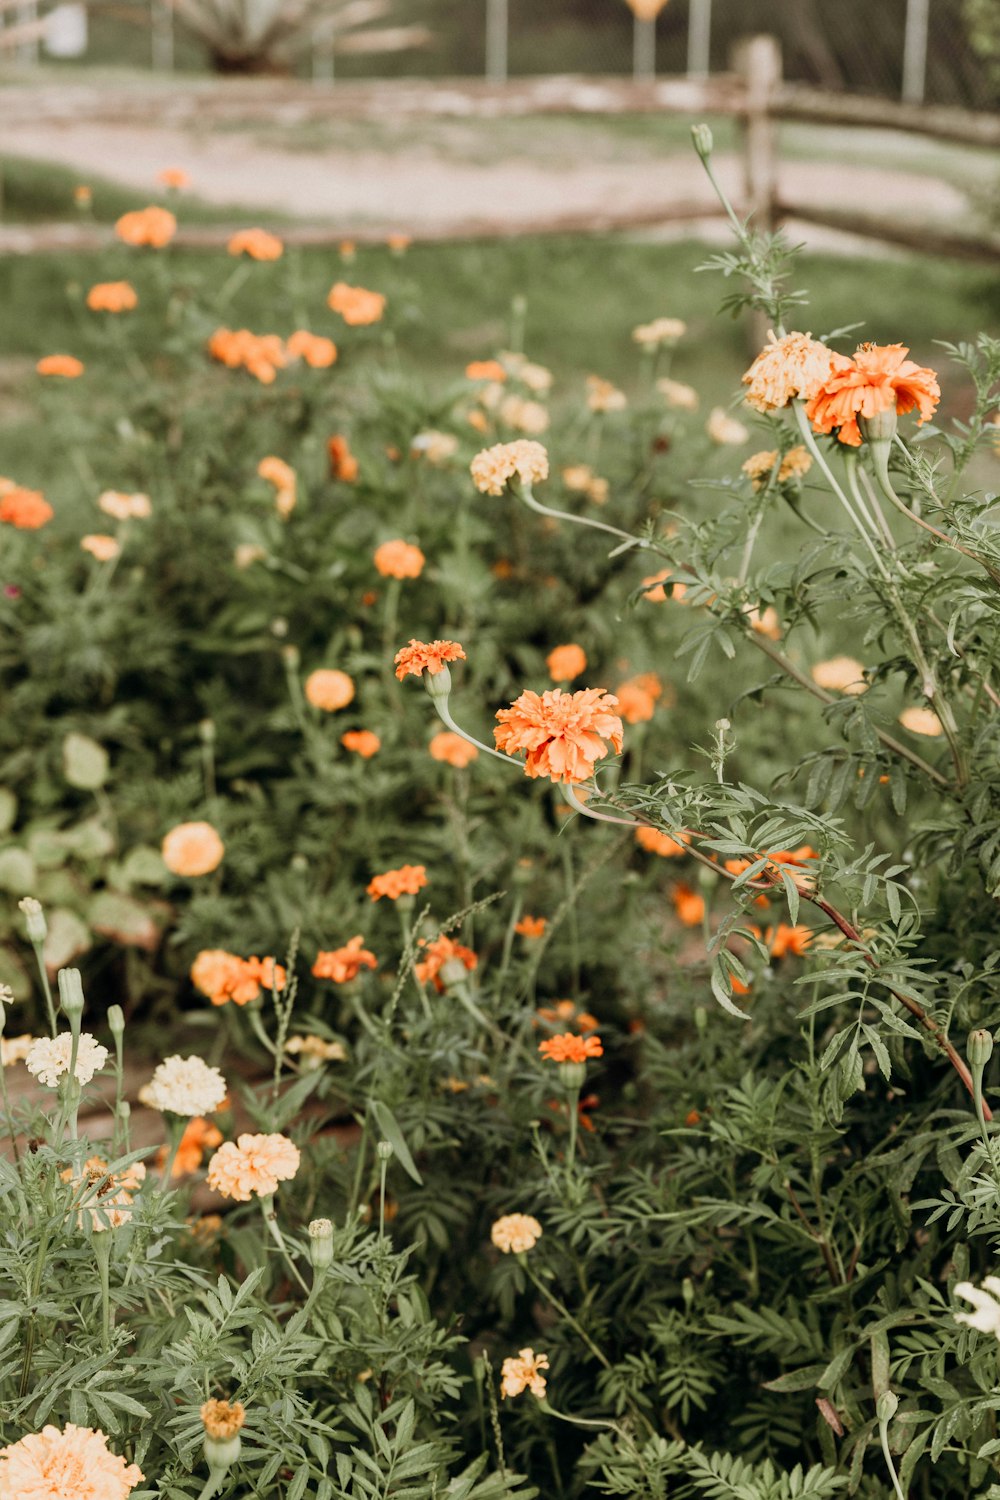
(831, 479)
(567, 515)
(267, 1208)
(890, 494)
(444, 713)
(564, 1312)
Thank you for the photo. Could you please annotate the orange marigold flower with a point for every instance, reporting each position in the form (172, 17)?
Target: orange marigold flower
(277, 472)
(565, 1013)
(786, 939)
(399, 559)
(439, 953)
(452, 749)
(531, 927)
(318, 352)
(341, 965)
(72, 1464)
(570, 1048)
(254, 1164)
(262, 354)
(151, 226)
(637, 698)
(256, 243)
(200, 1135)
(420, 656)
(792, 367)
(562, 734)
(399, 243)
(656, 593)
(406, 881)
(224, 976)
(841, 674)
(66, 366)
(363, 742)
(174, 177)
(917, 720)
(485, 369)
(192, 849)
(879, 379)
(222, 1420)
(343, 464)
(328, 689)
(566, 662)
(803, 855)
(765, 622)
(492, 469)
(355, 304)
(25, 509)
(688, 904)
(112, 296)
(83, 196)
(656, 842)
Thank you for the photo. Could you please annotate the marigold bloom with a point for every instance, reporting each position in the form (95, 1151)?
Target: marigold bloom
(523, 1372)
(792, 367)
(879, 379)
(83, 196)
(656, 593)
(443, 950)
(602, 396)
(313, 1050)
(637, 698)
(494, 467)
(654, 841)
(15, 1049)
(406, 881)
(516, 1234)
(65, 365)
(112, 296)
(570, 1048)
(341, 965)
(72, 1464)
(524, 416)
(785, 939)
(225, 976)
(48, 1058)
(565, 1013)
(678, 395)
(343, 464)
(566, 662)
(277, 472)
(356, 305)
(253, 1164)
(101, 546)
(688, 904)
(151, 226)
(185, 1086)
(921, 721)
(841, 674)
(765, 622)
(318, 352)
(104, 1201)
(26, 509)
(125, 507)
(399, 559)
(257, 244)
(222, 1419)
(328, 689)
(420, 656)
(531, 927)
(173, 177)
(192, 849)
(724, 429)
(452, 749)
(562, 734)
(363, 742)
(200, 1135)
(646, 10)
(436, 447)
(986, 1303)
(661, 331)
(262, 354)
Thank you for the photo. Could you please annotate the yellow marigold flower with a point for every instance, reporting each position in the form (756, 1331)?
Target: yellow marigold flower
(174, 177)
(253, 1164)
(192, 849)
(515, 1234)
(493, 468)
(765, 622)
(524, 416)
(792, 367)
(795, 464)
(921, 721)
(135, 507)
(74, 1464)
(841, 674)
(313, 1050)
(522, 1373)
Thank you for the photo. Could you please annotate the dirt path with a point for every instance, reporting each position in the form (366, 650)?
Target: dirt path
(414, 189)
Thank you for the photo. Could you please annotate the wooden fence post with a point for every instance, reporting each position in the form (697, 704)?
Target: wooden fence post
(497, 24)
(699, 48)
(757, 61)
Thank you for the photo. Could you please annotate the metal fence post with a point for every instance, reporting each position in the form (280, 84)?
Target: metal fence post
(699, 39)
(915, 51)
(496, 40)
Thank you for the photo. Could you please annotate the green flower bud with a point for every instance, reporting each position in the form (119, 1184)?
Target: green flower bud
(452, 972)
(886, 1407)
(116, 1021)
(34, 919)
(701, 135)
(320, 1243)
(71, 992)
(384, 1151)
(979, 1048)
(572, 1076)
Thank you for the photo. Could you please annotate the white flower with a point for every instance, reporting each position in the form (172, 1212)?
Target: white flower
(987, 1314)
(48, 1058)
(185, 1086)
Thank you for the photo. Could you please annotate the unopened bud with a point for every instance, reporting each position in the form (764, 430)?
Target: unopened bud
(222, 1421)
(700, 1017)
(279, 627)
(878, 432)
(384, 1151)
(116, 1021)
(979, 1048)
(34, 919)
(206, 729)
(572, 1076)
(438, 684)
(320, 1243)
(71, 991)
(687, 1292)
(886, 1407)
(701, 135)
(452, 972)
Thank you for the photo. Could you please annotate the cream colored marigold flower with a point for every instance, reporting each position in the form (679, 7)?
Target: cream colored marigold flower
(792, 367)
(523, 1372)
(661, 331)
(15, 1049)
(921, 721)
(253, 1164)
(795, 465)
(516, 1234)
(984, 1299)
(437, 447)
(185, 1086)
(602, 396)
(678, 395)
(314, 1050)
(493, 468)
(724, 429)
(100, 546)
(48, 1058)
(841, 674)
(74, 1464)
(222, 1419)
(524, 416)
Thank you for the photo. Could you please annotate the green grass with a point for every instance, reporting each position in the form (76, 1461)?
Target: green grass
(38, 192)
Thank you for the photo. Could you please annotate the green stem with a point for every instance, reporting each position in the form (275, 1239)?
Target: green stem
(564, 1312)
(267, 1208)
(567, 515)
(102, 1254)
